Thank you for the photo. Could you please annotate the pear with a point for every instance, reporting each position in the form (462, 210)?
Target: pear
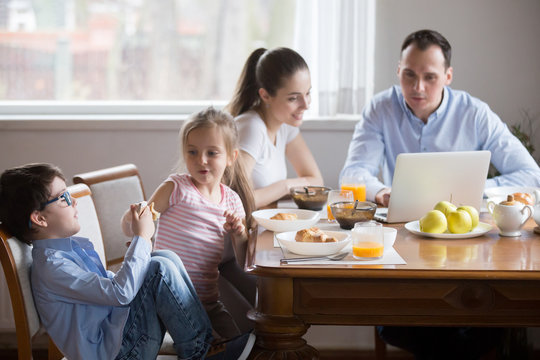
(433, 222)
(445, 207)
(459, 222)
(472, 212)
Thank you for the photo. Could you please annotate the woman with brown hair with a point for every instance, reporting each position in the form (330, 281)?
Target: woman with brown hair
(269, 103)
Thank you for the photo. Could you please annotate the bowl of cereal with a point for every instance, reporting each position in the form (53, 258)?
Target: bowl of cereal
(310, 197)
(348, 213)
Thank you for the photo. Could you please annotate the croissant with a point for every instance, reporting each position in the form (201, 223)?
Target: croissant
(313, 234)
(155, 213)
(284, 216)
(524, 198)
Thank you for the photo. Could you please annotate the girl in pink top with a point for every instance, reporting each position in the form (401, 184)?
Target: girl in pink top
(199, 208)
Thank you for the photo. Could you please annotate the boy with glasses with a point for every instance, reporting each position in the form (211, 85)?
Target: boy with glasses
(92, 313)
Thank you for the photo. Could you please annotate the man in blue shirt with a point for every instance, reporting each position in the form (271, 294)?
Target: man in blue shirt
(92, 313)
(424, 114)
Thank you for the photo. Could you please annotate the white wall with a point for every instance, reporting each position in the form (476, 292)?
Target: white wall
(496, 51)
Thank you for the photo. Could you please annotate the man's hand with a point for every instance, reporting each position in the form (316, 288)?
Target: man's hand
(141, 222)
(233, 223)
(383, 197)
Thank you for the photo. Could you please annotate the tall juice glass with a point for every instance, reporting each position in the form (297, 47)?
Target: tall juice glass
(368, 240)
(335, 196)
(357, 185)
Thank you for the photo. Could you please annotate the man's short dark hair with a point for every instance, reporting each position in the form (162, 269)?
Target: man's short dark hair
(24, 189)
(425, 38)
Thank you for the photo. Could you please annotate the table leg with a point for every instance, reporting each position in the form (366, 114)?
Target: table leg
(279, 332)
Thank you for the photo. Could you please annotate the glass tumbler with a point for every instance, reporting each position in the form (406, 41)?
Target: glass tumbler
(335, 196)
(368, 240)
(356, 184)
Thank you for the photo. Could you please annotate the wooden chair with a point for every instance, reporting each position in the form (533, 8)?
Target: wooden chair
(16, 258)
(113, 190)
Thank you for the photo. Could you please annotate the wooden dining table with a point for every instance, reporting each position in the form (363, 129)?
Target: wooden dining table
(489, 281)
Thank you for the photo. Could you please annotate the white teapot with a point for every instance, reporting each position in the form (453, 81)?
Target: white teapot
(510, 216)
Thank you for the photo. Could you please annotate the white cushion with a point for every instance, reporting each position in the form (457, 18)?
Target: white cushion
(90, 225)
(22, 255)
(112, 199)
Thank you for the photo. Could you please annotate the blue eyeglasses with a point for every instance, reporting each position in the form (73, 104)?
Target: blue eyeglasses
(65, 195)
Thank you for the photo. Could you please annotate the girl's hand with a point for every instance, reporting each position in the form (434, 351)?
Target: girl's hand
(233, 223)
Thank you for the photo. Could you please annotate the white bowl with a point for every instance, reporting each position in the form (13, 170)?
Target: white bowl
(389, 236)
(286, 240)
(306, 219)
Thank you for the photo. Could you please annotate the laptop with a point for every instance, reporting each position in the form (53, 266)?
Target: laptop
(421, 180)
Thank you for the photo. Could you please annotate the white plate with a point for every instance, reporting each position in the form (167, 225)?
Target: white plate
(286, 239)
(306, 219)
(498, 194)
(479, 230)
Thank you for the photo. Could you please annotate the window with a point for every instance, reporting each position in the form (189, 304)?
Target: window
(166, 50)
(141, 56)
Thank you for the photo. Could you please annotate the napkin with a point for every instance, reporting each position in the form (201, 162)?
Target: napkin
(390, 257)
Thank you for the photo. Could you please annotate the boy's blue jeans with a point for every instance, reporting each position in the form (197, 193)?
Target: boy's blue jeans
(166, 301)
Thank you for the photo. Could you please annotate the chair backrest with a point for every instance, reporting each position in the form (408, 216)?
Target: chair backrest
(88, 218)
(16, 258)
(113, 190)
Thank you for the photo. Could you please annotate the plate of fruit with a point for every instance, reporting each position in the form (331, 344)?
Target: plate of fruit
(447, 221)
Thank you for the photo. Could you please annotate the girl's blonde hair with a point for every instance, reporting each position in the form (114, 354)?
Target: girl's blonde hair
(234, 176)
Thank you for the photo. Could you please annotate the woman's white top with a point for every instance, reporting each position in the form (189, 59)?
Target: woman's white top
(270, 161)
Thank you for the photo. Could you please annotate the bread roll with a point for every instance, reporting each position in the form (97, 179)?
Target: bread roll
(284, 216)
(313, 234)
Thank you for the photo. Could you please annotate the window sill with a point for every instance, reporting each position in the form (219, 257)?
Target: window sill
(140, 122)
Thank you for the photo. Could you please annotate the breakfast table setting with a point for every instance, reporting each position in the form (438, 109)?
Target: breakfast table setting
(494, 212)
(485, 276)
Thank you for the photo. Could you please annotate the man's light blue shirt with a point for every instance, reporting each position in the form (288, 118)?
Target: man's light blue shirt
(461, 123)
(82, 306)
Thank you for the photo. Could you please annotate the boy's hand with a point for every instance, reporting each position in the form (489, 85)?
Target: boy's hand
(141, 222)
(233, 223)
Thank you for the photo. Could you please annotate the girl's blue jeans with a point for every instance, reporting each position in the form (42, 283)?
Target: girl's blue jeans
(167, 301)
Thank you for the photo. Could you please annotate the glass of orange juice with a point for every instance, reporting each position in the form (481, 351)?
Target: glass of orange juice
(335, 196)
(368, 240)
(356, 184)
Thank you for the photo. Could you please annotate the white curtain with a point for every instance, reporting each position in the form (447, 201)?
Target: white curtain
(337, 40)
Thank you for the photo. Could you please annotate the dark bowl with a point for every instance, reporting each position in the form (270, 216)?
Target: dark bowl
(347, 215)
(310, 197)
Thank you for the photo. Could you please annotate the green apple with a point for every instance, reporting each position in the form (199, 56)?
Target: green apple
(433, 222)
(473, 212)
(459, 222)
(445, 207)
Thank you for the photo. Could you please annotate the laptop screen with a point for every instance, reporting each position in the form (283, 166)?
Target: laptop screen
(423, 179)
